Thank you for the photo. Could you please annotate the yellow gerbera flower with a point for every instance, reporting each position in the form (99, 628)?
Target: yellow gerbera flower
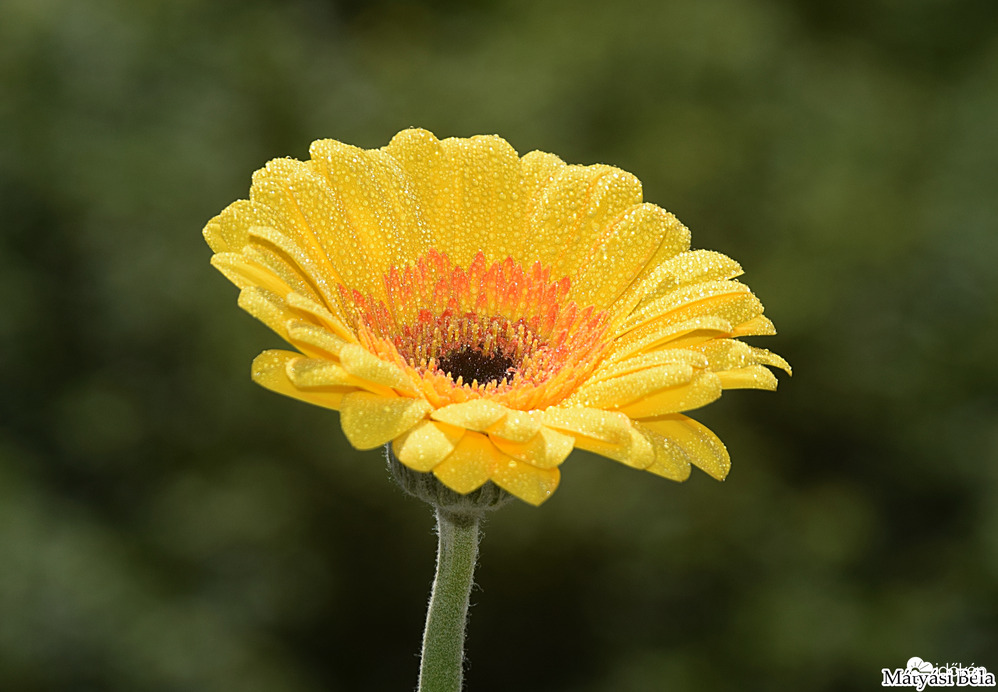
(486, 313)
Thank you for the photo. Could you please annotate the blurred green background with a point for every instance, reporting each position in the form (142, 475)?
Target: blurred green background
(165, 524)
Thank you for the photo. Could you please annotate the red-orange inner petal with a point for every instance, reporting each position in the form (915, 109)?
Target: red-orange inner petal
(497, 331)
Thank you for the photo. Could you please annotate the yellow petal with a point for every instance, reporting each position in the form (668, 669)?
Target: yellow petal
(278, 189)
(228, 232)
(517, 426)
(547, 449)
(695, 266)
(281, 254)
(681, 335)
(274, 191)
(426, 444)
(320, 315)
(692, 266)
(606, 426)
(729, 354)
(315, 373)
(270, 371)
(268, 307)
(468, 467)
(624, 250)
(418, 154)
(245, 273)
(670, 459)
(372, 189)
(730, 301)
(286, 277)
(309, 374)
(691, 358)
(468, 190)
(476, 414)
(610, 200)
(726, 354)
(537, 169)
(700, 391)
(314, 340)
(624, 389)
(751, 377)
(765, 357)
(364, 365)
(702, 446)
(370, 420)
(635, 451)
(526, 482)
(571, 212)
(760, 325)
(291, 275)
(318, 209)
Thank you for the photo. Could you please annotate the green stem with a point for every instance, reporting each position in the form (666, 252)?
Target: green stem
(442, 666)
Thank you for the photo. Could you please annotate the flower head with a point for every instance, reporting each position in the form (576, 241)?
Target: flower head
(486, 313)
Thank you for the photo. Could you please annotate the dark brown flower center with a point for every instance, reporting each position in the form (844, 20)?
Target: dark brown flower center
(473, 364)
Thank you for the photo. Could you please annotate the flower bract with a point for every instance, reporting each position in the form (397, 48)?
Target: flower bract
(486, 313)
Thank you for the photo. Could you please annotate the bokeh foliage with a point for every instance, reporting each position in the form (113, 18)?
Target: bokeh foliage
(167, 525)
